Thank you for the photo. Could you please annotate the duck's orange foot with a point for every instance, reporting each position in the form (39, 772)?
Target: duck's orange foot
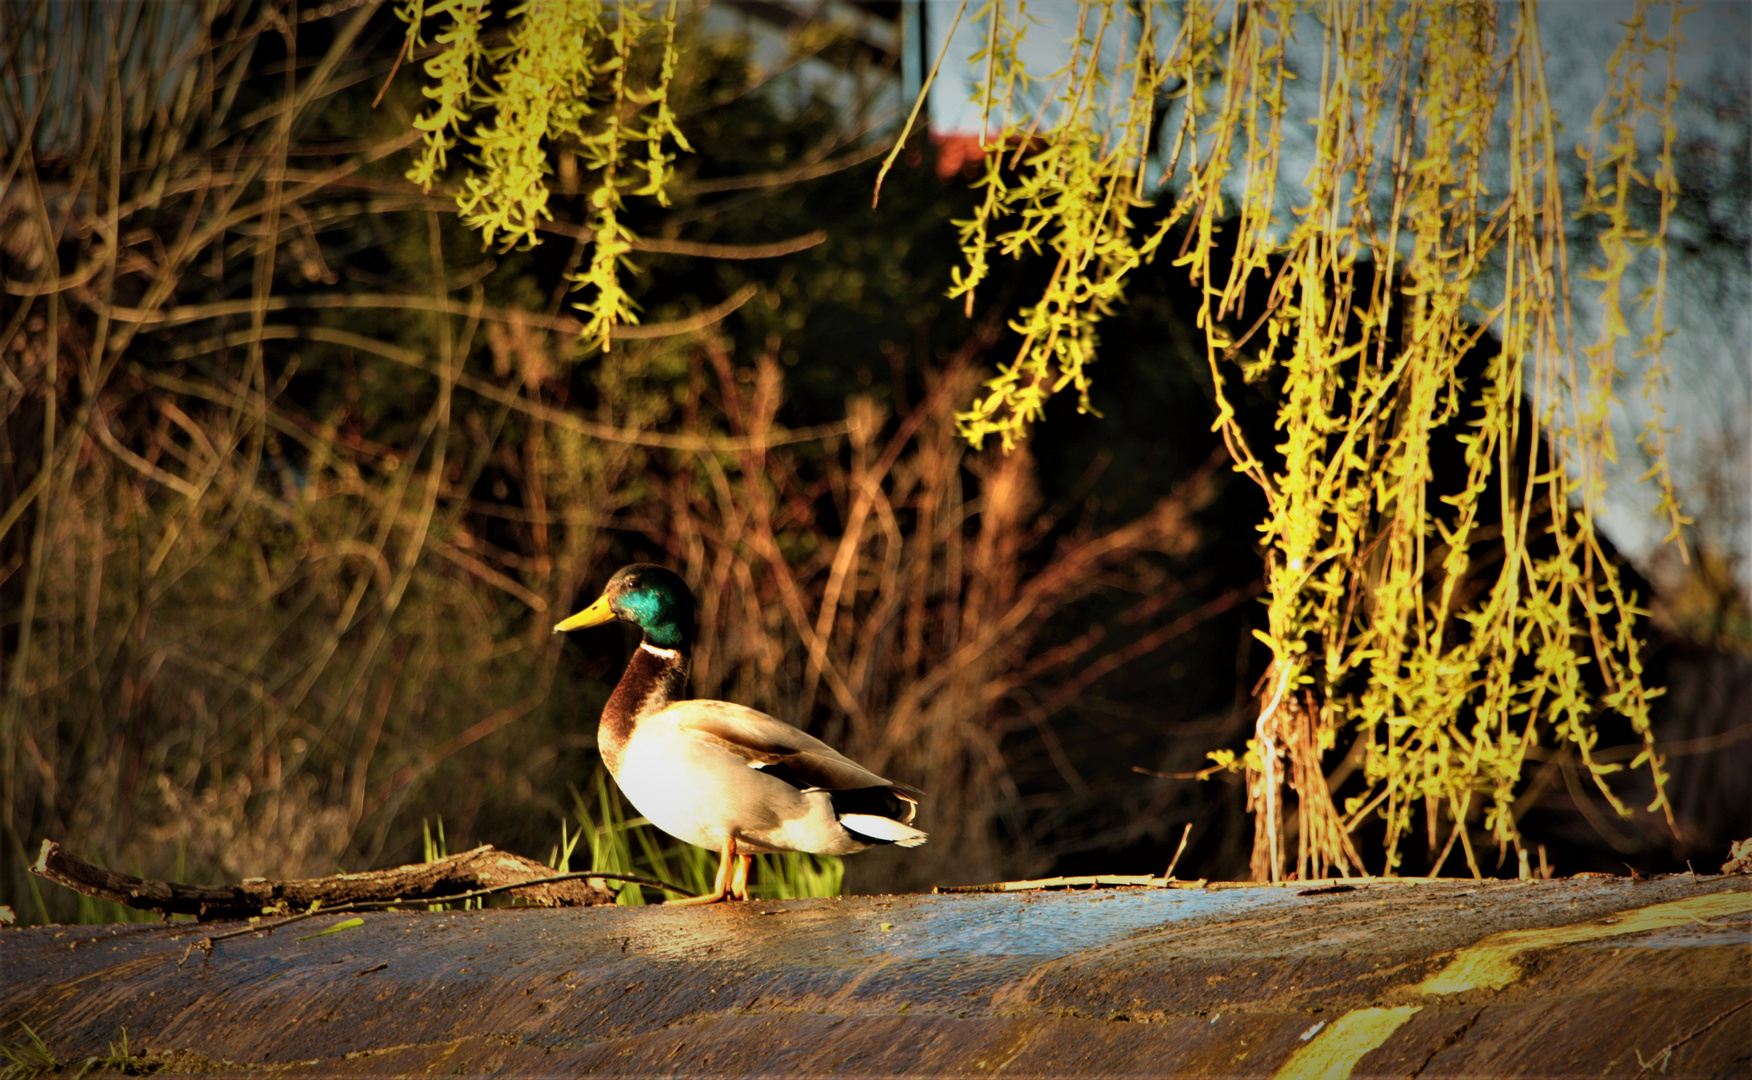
(728, 860)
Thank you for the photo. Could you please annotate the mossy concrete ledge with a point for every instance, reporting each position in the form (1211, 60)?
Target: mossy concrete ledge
(1595, 977)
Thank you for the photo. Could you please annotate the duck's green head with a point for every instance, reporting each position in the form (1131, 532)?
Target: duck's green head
(655, 600)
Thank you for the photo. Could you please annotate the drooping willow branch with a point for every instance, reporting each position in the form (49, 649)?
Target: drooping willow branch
(1429, 229)
(573, 77)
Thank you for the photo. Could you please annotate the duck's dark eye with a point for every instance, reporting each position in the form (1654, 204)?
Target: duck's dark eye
(635, 583)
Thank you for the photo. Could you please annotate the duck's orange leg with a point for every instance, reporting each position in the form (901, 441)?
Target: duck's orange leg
(739, 879)
(727, 859)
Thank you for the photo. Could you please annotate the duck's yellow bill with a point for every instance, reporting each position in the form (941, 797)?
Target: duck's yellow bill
(594, 615)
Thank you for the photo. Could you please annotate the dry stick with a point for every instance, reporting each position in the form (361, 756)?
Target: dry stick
(49, 466)
(400, 55)
(529, 598)
(191, 313)
(692, 323)
(1144, 645)
(403, 884)
(193, 240)
(1168, 874)
(783, 177)
(1034, 884)
(455, 745)
(869, 484)
(867, 500)
(345, 619)
(1047, 590)
(437, 432)
(1314, 886)
(912, 117)
(556, 417)
(206, 944)
(1662, 1057)
(694, 249)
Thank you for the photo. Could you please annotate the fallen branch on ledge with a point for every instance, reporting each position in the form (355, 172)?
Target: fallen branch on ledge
(1311, 887)
(484, 868)
(1088, 881)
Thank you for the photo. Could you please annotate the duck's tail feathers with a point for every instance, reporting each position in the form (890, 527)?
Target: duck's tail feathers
(874, 829)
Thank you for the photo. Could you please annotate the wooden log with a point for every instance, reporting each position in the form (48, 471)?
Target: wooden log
(1580, 977)
(484, 867)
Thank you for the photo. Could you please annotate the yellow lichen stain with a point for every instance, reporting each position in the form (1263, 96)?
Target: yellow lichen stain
(1490, 964)
(1335, 1051)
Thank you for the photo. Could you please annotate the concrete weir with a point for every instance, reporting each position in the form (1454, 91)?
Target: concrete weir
(1578, 977)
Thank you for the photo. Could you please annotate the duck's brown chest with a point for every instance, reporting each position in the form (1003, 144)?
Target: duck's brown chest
(654, 678)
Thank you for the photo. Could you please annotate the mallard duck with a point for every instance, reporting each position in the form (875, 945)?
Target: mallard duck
(720, 775)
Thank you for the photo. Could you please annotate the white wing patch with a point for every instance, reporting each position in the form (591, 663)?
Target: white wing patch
(881, 828)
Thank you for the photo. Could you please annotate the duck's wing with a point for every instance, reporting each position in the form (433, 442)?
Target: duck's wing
(776, 748)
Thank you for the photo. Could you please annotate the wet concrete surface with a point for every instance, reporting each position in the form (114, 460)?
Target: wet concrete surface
(1563, 978)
